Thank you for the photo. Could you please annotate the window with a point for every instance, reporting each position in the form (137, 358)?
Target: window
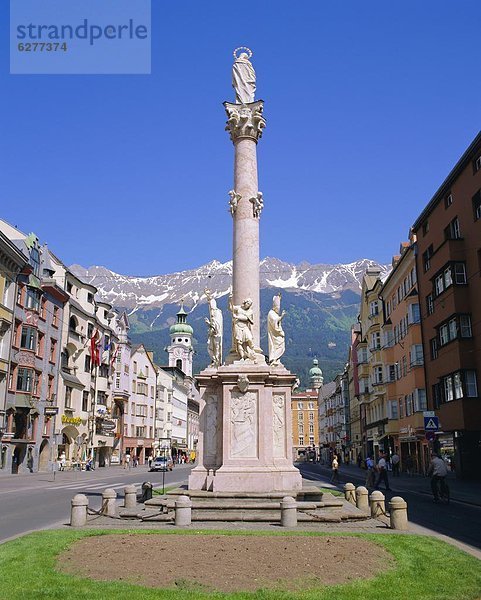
(69, 287)
(311, 440)
(378, 374)
(68, 396)
(87, 363)
(414, 314)
(439, 284)
(471, 384)
(448, 389)
(434, 348)
(117, 383)
(427, 255)
(72, 324)
(43, 308)
(24, 380)
(140, 431)
(448, 200)
(453, 273)
(465, 326)
(460, 273)
(55, 316)
(311, 427)
(64, 356)
(392, 409)
(311, 416)
(376, 340)
(141, 410)
(301, 440)
(90, 298)
(132, 409)
(33, 298)
(374, 308)
(19, 294)
(135, 366)
(53, 350)
(430, 304)
(459, 385)
(409, 404)
(300, 405)
(85, 401)
(102, 398)
(453, 329)
(453, 230)
(392, 372)
(401, 408)
(300, 416)
(420, 403)
(29, 338)
(311, 405)
(477, 205)
(34, 260)
(417, 357)
(104, 370)
(443, 335)
(90, 330)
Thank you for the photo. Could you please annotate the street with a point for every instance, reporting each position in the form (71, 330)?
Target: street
(459, 520)
(38, 501)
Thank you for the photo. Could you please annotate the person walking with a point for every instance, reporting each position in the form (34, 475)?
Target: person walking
(438, 471)
(335, 469)
(395, 464)
(370, 472)
(127, 461)
(382, 472)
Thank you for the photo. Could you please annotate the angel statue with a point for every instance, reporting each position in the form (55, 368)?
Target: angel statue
(275, 333)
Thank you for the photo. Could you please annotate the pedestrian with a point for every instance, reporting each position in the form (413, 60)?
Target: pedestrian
(127, 461)
(149, 461)
(409, 465)
(382, 471)
(370, 472)
(335, 469)
(359, 460)
(395, 464)
(438, 471)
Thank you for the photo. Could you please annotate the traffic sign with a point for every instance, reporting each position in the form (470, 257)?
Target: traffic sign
(431, 423)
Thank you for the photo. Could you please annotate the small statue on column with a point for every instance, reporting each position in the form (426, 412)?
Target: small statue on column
(242, 323)
(214, 335)
(243, 76)
(275, 333)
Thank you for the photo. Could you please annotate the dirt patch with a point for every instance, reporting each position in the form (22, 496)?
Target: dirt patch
(225, 563)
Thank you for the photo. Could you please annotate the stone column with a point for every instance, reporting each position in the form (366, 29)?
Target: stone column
(245, 124)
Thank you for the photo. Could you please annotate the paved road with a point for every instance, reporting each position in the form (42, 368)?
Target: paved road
(459, 520)
(36, 501)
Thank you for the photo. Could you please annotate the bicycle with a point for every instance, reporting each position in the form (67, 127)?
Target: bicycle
(443, 495)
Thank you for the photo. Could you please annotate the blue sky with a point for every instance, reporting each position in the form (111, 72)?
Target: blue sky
(368, 106)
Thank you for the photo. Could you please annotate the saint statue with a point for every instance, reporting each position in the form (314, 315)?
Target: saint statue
(242, 323)
(275, 333)
(243, 77)
(214, 336)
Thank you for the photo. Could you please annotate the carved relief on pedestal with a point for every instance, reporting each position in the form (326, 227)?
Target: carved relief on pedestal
(211, 426)
(234, 201)
(245, 120)
(257, 205)
(279, 425)
(243, 422)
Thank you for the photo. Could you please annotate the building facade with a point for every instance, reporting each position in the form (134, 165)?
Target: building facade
(305, 417)
(448, 262)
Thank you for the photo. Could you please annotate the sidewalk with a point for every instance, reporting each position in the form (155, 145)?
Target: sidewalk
(461, 491)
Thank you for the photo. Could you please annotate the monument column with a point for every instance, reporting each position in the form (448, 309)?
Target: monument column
(245, 124)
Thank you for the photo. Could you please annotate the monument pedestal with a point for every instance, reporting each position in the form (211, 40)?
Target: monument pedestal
(245, 437)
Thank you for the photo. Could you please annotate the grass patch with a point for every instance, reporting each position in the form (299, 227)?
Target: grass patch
(158, 491)
(332, 491)
(426, 569)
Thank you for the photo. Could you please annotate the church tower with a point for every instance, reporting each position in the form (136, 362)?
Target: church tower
(315, 375)
(180, 349)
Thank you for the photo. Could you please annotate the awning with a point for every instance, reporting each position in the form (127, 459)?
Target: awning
(71, 379)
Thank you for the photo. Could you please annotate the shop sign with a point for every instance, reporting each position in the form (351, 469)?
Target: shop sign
(51, 410)
(71, 420)
(108, 425)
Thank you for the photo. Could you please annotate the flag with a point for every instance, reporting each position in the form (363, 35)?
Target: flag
(95, 347)
(113, 354)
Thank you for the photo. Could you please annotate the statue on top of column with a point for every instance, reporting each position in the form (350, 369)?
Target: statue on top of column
(243, 76)
(214, 336)
(275, 333)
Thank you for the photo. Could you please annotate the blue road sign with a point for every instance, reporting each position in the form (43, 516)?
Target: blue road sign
(431, 423)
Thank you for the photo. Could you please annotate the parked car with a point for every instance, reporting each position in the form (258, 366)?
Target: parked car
(162, 463)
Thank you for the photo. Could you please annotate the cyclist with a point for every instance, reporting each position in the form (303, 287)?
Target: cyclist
(438, 471)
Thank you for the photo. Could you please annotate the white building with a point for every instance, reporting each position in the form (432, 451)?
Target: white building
(139, 419)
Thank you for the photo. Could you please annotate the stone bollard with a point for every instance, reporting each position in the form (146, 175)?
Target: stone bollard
(362, 498)
(376, 501)
(183, 511)
(130, 493)
(399, 513)
(78, 513)
(350, 493)
(288, 512)
(109, 503)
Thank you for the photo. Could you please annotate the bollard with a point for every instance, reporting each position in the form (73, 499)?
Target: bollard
(146, 491)
(78, 513)
(376, 501)
(350, 493)
(288, 512)
(399, 513)
(130, 493)
(362, 500)
(183, 511)
(109, 503)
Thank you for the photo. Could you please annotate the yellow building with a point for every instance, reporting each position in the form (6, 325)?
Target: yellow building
(305, 417)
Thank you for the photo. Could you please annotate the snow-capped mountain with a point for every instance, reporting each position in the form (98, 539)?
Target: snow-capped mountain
(141, 292)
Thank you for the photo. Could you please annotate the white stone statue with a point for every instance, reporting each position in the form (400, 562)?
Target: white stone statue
(243, 77)
(234, 201)
(275, 333)
(216, 327)
(242, 323)
(257, 205)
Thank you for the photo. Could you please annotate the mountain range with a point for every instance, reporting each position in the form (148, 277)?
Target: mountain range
(321, 301)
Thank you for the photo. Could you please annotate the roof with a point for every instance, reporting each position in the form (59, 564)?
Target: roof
(465, 159)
